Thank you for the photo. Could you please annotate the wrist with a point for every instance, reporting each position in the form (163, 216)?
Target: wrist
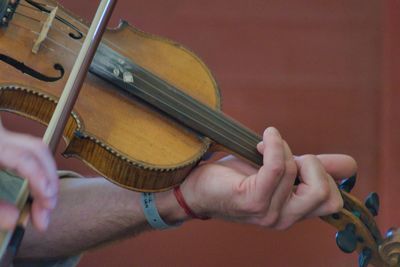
(194, 199)
(169, 209)
(182, 202)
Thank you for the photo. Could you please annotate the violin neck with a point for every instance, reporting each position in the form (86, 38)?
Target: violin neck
(178, 105)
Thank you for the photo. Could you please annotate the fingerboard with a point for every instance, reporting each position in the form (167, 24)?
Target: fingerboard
(138, 82)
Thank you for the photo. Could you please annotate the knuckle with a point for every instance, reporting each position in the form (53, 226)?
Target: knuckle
(275, 141)
(309, 158)
(26, 155)
(24, 166)
(50, 203)
(321, 194)
(276, 167)
(254, 208)
(283, 226)
(270, 220)
(27, 162)
(291, 168)
(40, 146)
(335, 205)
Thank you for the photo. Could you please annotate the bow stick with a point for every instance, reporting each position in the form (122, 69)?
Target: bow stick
(11, 240)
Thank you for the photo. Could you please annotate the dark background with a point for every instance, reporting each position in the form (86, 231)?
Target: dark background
(325, 73)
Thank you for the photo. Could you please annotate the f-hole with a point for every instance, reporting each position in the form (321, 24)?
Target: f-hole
(77, 35)
(31, 72)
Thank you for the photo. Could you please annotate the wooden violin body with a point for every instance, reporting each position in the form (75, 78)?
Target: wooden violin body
(147, 113)
(119, 136)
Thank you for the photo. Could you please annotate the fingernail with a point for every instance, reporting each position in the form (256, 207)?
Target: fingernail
(272, 130)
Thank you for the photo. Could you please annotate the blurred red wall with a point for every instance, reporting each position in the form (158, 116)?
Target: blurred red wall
(320, 71)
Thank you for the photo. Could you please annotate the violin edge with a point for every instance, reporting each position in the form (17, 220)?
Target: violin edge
(129, 173)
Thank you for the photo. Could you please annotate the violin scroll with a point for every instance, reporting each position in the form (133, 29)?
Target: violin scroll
(390, 248)
(358, 231)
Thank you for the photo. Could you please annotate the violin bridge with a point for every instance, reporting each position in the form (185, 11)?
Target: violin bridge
(45, 29)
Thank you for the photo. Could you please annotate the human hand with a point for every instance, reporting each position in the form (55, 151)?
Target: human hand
(29, 158)
(234, 190)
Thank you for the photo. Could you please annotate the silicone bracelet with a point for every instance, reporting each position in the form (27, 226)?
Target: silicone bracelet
(182, 202)
(148, 203)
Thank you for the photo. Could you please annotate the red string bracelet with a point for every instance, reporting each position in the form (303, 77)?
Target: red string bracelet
(179, 197)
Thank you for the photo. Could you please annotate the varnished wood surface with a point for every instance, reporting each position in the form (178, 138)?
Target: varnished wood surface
(307, 67)
(368, 234)
(390, 248)
(121, 138)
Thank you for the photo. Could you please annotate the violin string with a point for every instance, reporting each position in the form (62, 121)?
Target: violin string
(216, 129)
(28, 6)
(110, 43)
(249, 134)
(49, 7)
(60, 31)
(181, 97)
(203, 111)
(230, 123)
(59, 44)
(81, 24)
(32, 18)
(51, 27)
(12, 22)
(216, 124)
(48, 38)
(23, 27)
(209, 116)
(77, 20)
(211, 113)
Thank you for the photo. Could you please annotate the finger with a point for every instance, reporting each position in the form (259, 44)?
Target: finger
(273, 168)
(333, 203)
(285, 186)
(26, 166)
(339, 166)
(29, 169)
(19, 146)
(310, 194)
(45, 160)
(8, 216)
(260, 147)
(40, 216)
(26, 162)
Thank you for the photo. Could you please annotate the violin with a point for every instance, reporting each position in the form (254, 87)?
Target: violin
(148, 111)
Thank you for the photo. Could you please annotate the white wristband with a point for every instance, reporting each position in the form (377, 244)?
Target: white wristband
(150, 211)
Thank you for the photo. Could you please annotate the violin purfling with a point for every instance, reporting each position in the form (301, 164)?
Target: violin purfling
(148, 111)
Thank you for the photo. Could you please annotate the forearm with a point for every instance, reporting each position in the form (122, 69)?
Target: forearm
(117, 214)
(94, 211)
